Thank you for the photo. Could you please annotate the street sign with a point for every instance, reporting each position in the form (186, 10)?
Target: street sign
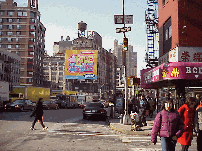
(124, 29)
(128, 19)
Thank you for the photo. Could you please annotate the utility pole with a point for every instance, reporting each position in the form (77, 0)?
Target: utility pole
(124, 19)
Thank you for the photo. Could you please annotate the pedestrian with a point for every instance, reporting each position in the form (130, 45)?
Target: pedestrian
(142, 111)
(151, 107)
(169, 125)
(38, 114)
(198, 126)
(186, 112)
(197, 101)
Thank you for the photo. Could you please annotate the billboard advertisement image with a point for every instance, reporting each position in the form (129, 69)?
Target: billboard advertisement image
(81, 64)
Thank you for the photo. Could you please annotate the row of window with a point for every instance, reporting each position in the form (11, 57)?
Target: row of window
(12, 46)
(18, 20)
(19, 13)
(15, 27)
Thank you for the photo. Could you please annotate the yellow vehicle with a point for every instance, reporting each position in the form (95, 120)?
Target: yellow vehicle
(15, 96)
(33, 93)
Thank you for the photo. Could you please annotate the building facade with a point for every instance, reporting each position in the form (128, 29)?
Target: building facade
(23, 33)
(9, 68)
(180, 50)
(54, 71)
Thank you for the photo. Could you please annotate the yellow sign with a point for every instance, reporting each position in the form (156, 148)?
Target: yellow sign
(81, 64)
(175, 72)
(164, 73)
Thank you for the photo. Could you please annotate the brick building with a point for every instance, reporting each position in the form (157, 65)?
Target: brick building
(22, 33)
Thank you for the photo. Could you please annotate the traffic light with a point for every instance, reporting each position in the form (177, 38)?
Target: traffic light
(128, 81)
(125, 44)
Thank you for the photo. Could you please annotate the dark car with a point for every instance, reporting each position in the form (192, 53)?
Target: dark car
(95, 109)
(61, 103)
(50, 105)
(19, 105)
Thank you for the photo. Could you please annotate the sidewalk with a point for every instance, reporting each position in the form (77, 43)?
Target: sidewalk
(126, 129)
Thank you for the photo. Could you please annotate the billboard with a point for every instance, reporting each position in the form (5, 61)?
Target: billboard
(81, 64)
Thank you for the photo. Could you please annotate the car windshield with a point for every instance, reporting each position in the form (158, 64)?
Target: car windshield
(18, 101)
(46, 102)
(95, 105)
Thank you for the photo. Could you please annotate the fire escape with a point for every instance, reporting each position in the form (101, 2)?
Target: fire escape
(151, 19)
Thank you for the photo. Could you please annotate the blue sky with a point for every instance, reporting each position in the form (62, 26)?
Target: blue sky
(61, 17)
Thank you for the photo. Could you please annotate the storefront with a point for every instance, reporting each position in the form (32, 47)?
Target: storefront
(175, 78)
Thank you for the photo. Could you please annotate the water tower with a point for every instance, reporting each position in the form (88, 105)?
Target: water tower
(81, 29)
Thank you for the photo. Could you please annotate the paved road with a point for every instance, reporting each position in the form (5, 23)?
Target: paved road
(67, 131)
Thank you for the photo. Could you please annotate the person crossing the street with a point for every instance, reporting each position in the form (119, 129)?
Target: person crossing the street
(38, 114)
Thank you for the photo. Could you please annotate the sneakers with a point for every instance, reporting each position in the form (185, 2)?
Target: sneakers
(31, 128)
(45, 128)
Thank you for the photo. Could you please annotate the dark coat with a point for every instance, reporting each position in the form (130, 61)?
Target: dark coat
(187, 115)
(167, 124)
(38, 111)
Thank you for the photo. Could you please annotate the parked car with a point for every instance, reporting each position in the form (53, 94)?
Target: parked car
(95, 109)
(61, 103)
(19, 105)
(50, 105)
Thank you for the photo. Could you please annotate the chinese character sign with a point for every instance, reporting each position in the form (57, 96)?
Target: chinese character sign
(81, 64)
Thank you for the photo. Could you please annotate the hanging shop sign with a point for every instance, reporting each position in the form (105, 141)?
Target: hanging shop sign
(172, 70)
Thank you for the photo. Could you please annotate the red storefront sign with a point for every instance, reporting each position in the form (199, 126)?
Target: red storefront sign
(172, 70)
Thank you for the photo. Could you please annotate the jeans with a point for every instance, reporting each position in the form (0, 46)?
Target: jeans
(168, 144)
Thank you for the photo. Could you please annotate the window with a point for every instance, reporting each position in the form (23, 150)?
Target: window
(1, 20)
(18, 26)
(9, 33)
(31, 46)
(30, 53)
(17, 39)
(2, 13)
(10, 26)
(32, 27)
(164, 2)
(18, 33)
(1, 26)
(1, 39)
(29, 79)
(10, 20)
(167, 36)
(30, 73)
(11, 13)
(21, 13)
(32, 20)
(17, 46)
(9, 46)
(60, 73)
(18, 20)
(10, 39)
(1, 33)
(32, 14)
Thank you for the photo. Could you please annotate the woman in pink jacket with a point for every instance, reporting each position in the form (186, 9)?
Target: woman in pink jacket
(169, 125)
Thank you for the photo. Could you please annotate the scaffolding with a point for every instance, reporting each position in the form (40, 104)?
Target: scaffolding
(151, 19)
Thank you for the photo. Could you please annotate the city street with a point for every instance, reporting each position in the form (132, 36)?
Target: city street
(67, 131)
